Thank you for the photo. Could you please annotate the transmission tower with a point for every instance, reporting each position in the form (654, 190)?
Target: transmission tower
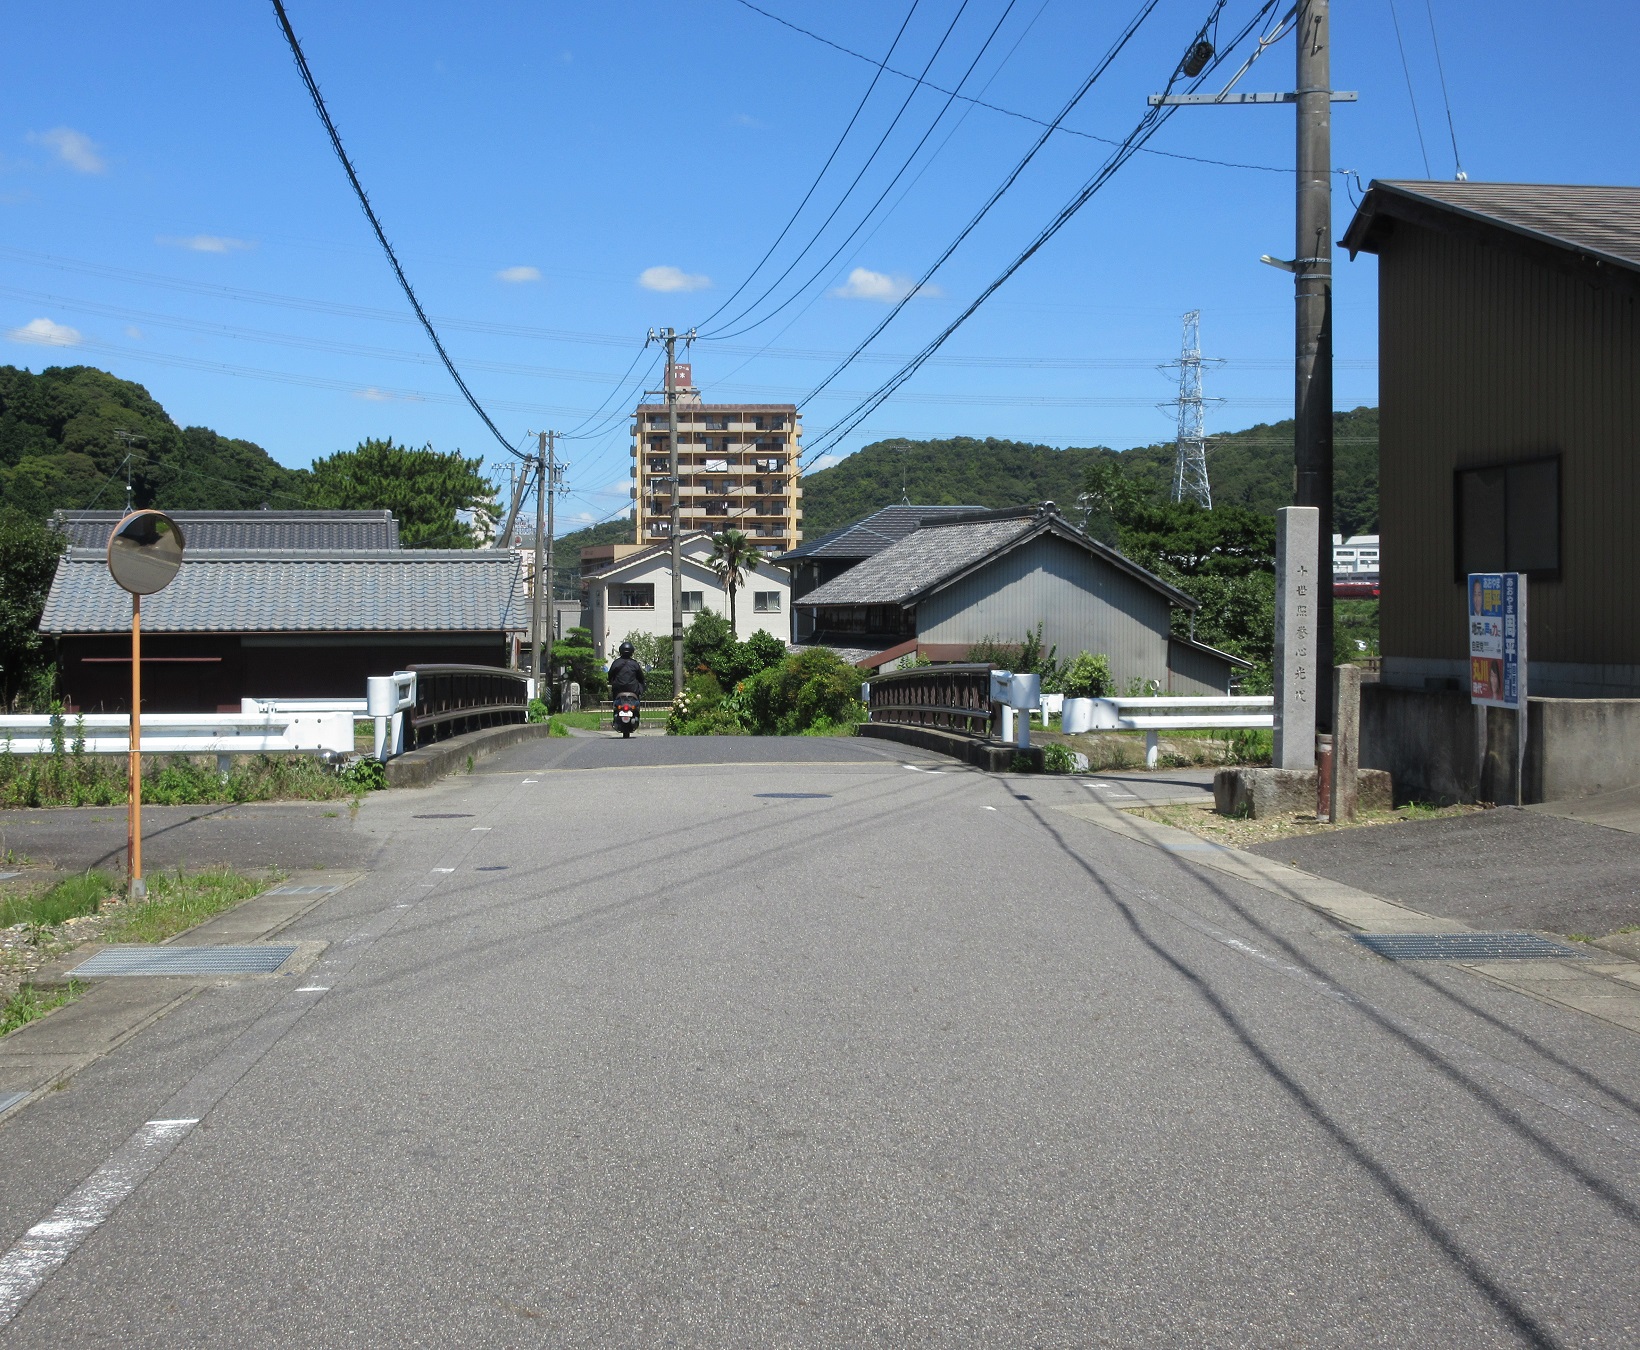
(1190, 462)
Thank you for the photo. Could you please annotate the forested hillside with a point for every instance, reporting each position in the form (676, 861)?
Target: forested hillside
(1251, 468)
(66, 432)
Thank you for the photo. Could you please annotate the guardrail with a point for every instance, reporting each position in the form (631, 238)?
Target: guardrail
(955, 697)
(450, 700)
(1177, 713)
(221, 734)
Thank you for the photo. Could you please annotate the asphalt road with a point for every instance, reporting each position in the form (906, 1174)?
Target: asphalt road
(751, 1043)
(1497, 869)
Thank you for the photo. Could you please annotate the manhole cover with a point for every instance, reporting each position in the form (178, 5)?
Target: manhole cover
(1466, 947)
(186, 961)
(302, 890)
(792, 796)
(444, 815)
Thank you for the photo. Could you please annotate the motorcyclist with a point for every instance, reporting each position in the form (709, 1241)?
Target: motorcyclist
(626, 675)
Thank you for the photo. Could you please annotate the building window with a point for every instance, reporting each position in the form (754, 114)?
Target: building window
(694, 601)
(1507, 519)
(634, 597)
(766, 602)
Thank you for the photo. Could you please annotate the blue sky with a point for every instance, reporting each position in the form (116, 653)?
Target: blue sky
(559, 178)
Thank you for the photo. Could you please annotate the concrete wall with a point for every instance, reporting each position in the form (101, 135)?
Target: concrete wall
(1431, 744)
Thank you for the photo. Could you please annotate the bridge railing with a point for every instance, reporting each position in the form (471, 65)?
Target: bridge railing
(451, 700)
(955, 697)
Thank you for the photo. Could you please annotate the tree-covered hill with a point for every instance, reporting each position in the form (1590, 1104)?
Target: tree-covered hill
(66, 432)
(1251, 468)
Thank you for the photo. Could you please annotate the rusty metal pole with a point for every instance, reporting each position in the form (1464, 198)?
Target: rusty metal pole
(136, 887)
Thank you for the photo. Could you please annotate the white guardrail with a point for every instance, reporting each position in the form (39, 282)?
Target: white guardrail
(1172, 713)
(315, 726)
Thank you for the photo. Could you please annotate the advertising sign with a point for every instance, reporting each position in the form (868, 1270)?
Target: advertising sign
(1497, 639)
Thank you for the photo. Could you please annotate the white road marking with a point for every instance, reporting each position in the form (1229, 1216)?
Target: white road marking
(37, 1255)
(528, 781)
(444, 869)
(313, 989)
(915, 769)
(990, 808)
(479, 829)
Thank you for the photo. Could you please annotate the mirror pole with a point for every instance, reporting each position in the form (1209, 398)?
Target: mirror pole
(138, 889)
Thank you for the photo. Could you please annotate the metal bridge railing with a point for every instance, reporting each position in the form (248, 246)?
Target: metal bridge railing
(451, 700)
(955, 697)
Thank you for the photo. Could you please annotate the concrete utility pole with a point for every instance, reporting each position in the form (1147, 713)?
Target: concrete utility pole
(553, 472)
(541, 490)
(1312, 282)
(1312, 279)
(670, 337)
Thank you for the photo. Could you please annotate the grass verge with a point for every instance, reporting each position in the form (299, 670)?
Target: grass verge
(178, 900)
(26, 1005)
(68, 899)
(72, 776)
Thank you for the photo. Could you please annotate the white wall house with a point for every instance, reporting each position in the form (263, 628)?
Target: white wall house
(635, 596)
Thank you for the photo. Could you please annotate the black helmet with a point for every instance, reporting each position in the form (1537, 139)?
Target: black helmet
(626, 649)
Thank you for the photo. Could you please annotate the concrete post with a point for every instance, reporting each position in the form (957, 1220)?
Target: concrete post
(1346, 741)
(1297, 539)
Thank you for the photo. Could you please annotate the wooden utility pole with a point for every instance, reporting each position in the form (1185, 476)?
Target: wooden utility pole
(670, 337)
(1312, 282)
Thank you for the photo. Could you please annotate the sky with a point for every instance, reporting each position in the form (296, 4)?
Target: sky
(558, 179)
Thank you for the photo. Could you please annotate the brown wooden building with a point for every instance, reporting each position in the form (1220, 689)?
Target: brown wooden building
(1509, 370)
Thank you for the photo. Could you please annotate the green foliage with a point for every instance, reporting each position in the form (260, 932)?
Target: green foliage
(1023, 658)
(178, 900)
(28, 1004)
(652, 651)
(66, 432)
(811, 693)
(28, 560)
(566, 557)
(708, 645)
(422, 488)
(696, 711)
(575, 650)
(1087, 676)
(1057, 759)
(535, 710)
(365, 775)
(1355, 631)
(68, 899)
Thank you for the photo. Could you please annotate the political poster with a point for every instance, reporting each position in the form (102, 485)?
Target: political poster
(1497, 639)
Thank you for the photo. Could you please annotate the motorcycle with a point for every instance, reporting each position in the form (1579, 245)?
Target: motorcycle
(626, 713)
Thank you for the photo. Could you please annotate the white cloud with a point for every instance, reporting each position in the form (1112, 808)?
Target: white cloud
(745, 120)
(864, 284)
(375, 395)
(132, 331)
(74, 148)
(672, 279)
(207, 243)
(518, 275)
(824, 462)
(584, 518)
(45, 333)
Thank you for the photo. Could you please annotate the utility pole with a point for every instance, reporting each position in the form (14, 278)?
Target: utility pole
(1312, 280)
(551, 489)
(541, 490)
(670, 337)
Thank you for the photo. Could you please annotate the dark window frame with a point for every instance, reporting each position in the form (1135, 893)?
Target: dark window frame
(1540, 574)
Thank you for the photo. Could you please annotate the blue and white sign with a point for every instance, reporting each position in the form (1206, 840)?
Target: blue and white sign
(1497, 639)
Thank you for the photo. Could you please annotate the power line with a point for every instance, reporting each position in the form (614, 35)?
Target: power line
(916, 150)
(1123, 38)
(848, 191)
(376, 225)
(1412, 98)
(997, 108)
(860, 108)
(1457, 161)
(1147, 126)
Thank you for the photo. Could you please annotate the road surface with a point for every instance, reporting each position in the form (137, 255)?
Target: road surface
(825, 1042)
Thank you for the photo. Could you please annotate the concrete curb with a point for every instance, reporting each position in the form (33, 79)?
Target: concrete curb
(1606, 986)
(992, 756)
(41, 1056)
(419, 768)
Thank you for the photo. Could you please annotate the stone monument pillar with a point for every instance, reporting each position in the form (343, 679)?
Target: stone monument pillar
(1297, 548)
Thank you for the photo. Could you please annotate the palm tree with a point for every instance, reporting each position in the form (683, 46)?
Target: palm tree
(734, 556)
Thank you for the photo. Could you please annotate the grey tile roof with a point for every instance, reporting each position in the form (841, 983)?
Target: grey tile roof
(1601, 222)
(937, 553)
(334, 591)
(872, 534)
(259, 530)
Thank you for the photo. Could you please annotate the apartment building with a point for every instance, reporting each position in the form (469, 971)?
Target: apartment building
(737, 469)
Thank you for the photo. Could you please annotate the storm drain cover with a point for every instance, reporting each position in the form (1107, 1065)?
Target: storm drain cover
(302, 890)
(10, 1099)
(186, 961)
(792, 796)
(1466, 946)
(444, 815)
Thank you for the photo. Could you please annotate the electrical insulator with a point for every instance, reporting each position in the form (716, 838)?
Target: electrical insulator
(1196, 59)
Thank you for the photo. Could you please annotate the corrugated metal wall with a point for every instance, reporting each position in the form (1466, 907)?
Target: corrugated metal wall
(1486, 357)
(1082, 603)
(1195, 672)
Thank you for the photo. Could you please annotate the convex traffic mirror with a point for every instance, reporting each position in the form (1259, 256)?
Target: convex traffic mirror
(145, 551)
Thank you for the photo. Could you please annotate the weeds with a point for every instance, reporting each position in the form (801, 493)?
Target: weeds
(27, 1004)
(1057, 759)
(178, 900)
(68, 899)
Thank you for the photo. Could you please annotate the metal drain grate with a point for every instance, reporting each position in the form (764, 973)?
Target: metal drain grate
(9, 1100)
(1466, 947)
(302, 890)
(444, 815)
(793, 796)
(186, 961)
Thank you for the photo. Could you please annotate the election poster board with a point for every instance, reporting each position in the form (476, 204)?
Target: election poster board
(1497, 639)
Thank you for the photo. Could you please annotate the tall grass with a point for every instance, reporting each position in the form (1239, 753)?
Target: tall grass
(68, 899)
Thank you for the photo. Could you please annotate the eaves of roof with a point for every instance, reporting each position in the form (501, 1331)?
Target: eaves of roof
(1210, 651)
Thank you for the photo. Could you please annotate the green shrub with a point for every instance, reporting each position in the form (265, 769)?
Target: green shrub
(367, 775)
(701, 696)
(1087, 676)
(535, 711)
(1057, 759)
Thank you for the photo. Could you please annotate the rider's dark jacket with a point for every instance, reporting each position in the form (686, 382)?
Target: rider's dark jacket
(626, 676)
